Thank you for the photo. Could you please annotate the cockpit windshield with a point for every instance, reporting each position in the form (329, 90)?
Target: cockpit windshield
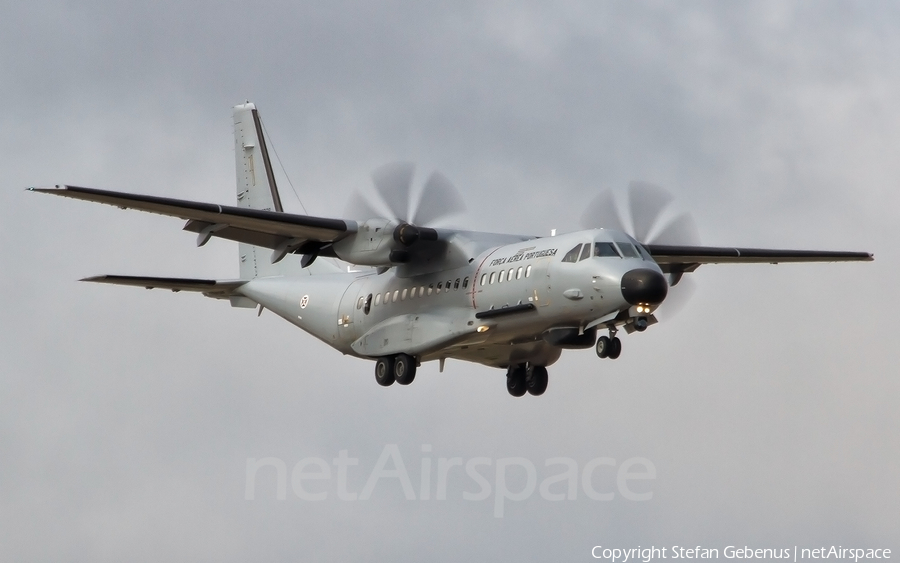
(605, 249)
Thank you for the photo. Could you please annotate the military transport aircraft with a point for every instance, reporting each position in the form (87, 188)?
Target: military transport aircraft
(509, 301)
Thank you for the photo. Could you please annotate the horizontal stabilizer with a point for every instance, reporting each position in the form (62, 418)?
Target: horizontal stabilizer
(218, 289)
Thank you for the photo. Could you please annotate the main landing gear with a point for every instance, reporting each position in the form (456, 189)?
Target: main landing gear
(521, 379)
(400, 368)
(609, 346)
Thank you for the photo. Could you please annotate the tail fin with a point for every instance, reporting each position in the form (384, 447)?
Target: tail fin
(256, 189)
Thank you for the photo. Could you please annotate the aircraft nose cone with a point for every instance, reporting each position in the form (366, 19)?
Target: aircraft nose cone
(644, 286)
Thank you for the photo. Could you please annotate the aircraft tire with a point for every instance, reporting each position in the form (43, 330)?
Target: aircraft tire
(384, 371)
(515, 381)
(615, 348)
(536, 381)
(404, 369)
(603, 347)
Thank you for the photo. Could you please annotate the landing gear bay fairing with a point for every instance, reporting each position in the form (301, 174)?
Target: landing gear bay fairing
(513, 302)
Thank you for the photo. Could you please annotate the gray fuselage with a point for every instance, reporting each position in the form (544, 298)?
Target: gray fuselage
(434, 316)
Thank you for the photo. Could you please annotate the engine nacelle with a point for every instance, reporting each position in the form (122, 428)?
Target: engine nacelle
(380, 242)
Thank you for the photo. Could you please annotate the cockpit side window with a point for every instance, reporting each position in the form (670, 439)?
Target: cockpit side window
(603, 249)
(628, 250)
(586, 252)
(644, 254)
(572, 255)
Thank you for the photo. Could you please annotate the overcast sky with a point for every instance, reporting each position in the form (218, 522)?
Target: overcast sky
(768, 406)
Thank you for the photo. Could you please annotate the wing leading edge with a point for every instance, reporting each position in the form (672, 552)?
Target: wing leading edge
(269, 229)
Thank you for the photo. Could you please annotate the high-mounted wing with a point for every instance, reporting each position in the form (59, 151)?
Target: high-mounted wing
(269, 229)
(688, 258)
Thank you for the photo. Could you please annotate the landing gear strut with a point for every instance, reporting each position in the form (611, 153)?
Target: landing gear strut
(609, 346)
(521, 378)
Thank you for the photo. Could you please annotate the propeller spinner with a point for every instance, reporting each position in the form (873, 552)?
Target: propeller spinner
(646, 205)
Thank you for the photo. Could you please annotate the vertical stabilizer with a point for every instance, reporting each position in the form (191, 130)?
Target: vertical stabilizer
(256, 189)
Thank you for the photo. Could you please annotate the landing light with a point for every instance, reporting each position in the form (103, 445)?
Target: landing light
(483, 328)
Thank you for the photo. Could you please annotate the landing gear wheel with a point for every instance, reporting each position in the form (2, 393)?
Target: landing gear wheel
(404, 369)
(615, 348)
(603, 347)
(515, 381)
(384, 371)
(536, 380)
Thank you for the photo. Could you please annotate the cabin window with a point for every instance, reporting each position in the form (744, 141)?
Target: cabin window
(403, 295)
(493, 275)
(500, 276)
(447, 287)
(360, 302)
(387, 297)
(586, 252)
(483, 279)
(465, 282)
(421, 291)
(572, 255)
(368, 305)
(440, 285)
(456, 284)
(528, 271)
(377, 299)
(430, 288)
(603, 249)
(519, 273)
(396, 295)
(509, 274)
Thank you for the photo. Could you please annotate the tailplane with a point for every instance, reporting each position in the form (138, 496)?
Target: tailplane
(256, 189)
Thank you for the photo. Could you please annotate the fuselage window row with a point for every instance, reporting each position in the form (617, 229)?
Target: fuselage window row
(506, 275)
(402, 294)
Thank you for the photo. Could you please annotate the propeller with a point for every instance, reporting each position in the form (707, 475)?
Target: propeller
(647, 204)
(393, 183)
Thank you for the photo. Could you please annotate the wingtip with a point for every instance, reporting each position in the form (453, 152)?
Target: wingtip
(46, 190)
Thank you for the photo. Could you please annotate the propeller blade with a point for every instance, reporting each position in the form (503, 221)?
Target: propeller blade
(646, 202)
(393, 182)
(601, 213)
(359, 208)
(439, 199)
(680, 231)
(677, 299)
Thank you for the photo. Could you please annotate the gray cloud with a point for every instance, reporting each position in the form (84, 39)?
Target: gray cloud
(766, 405)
